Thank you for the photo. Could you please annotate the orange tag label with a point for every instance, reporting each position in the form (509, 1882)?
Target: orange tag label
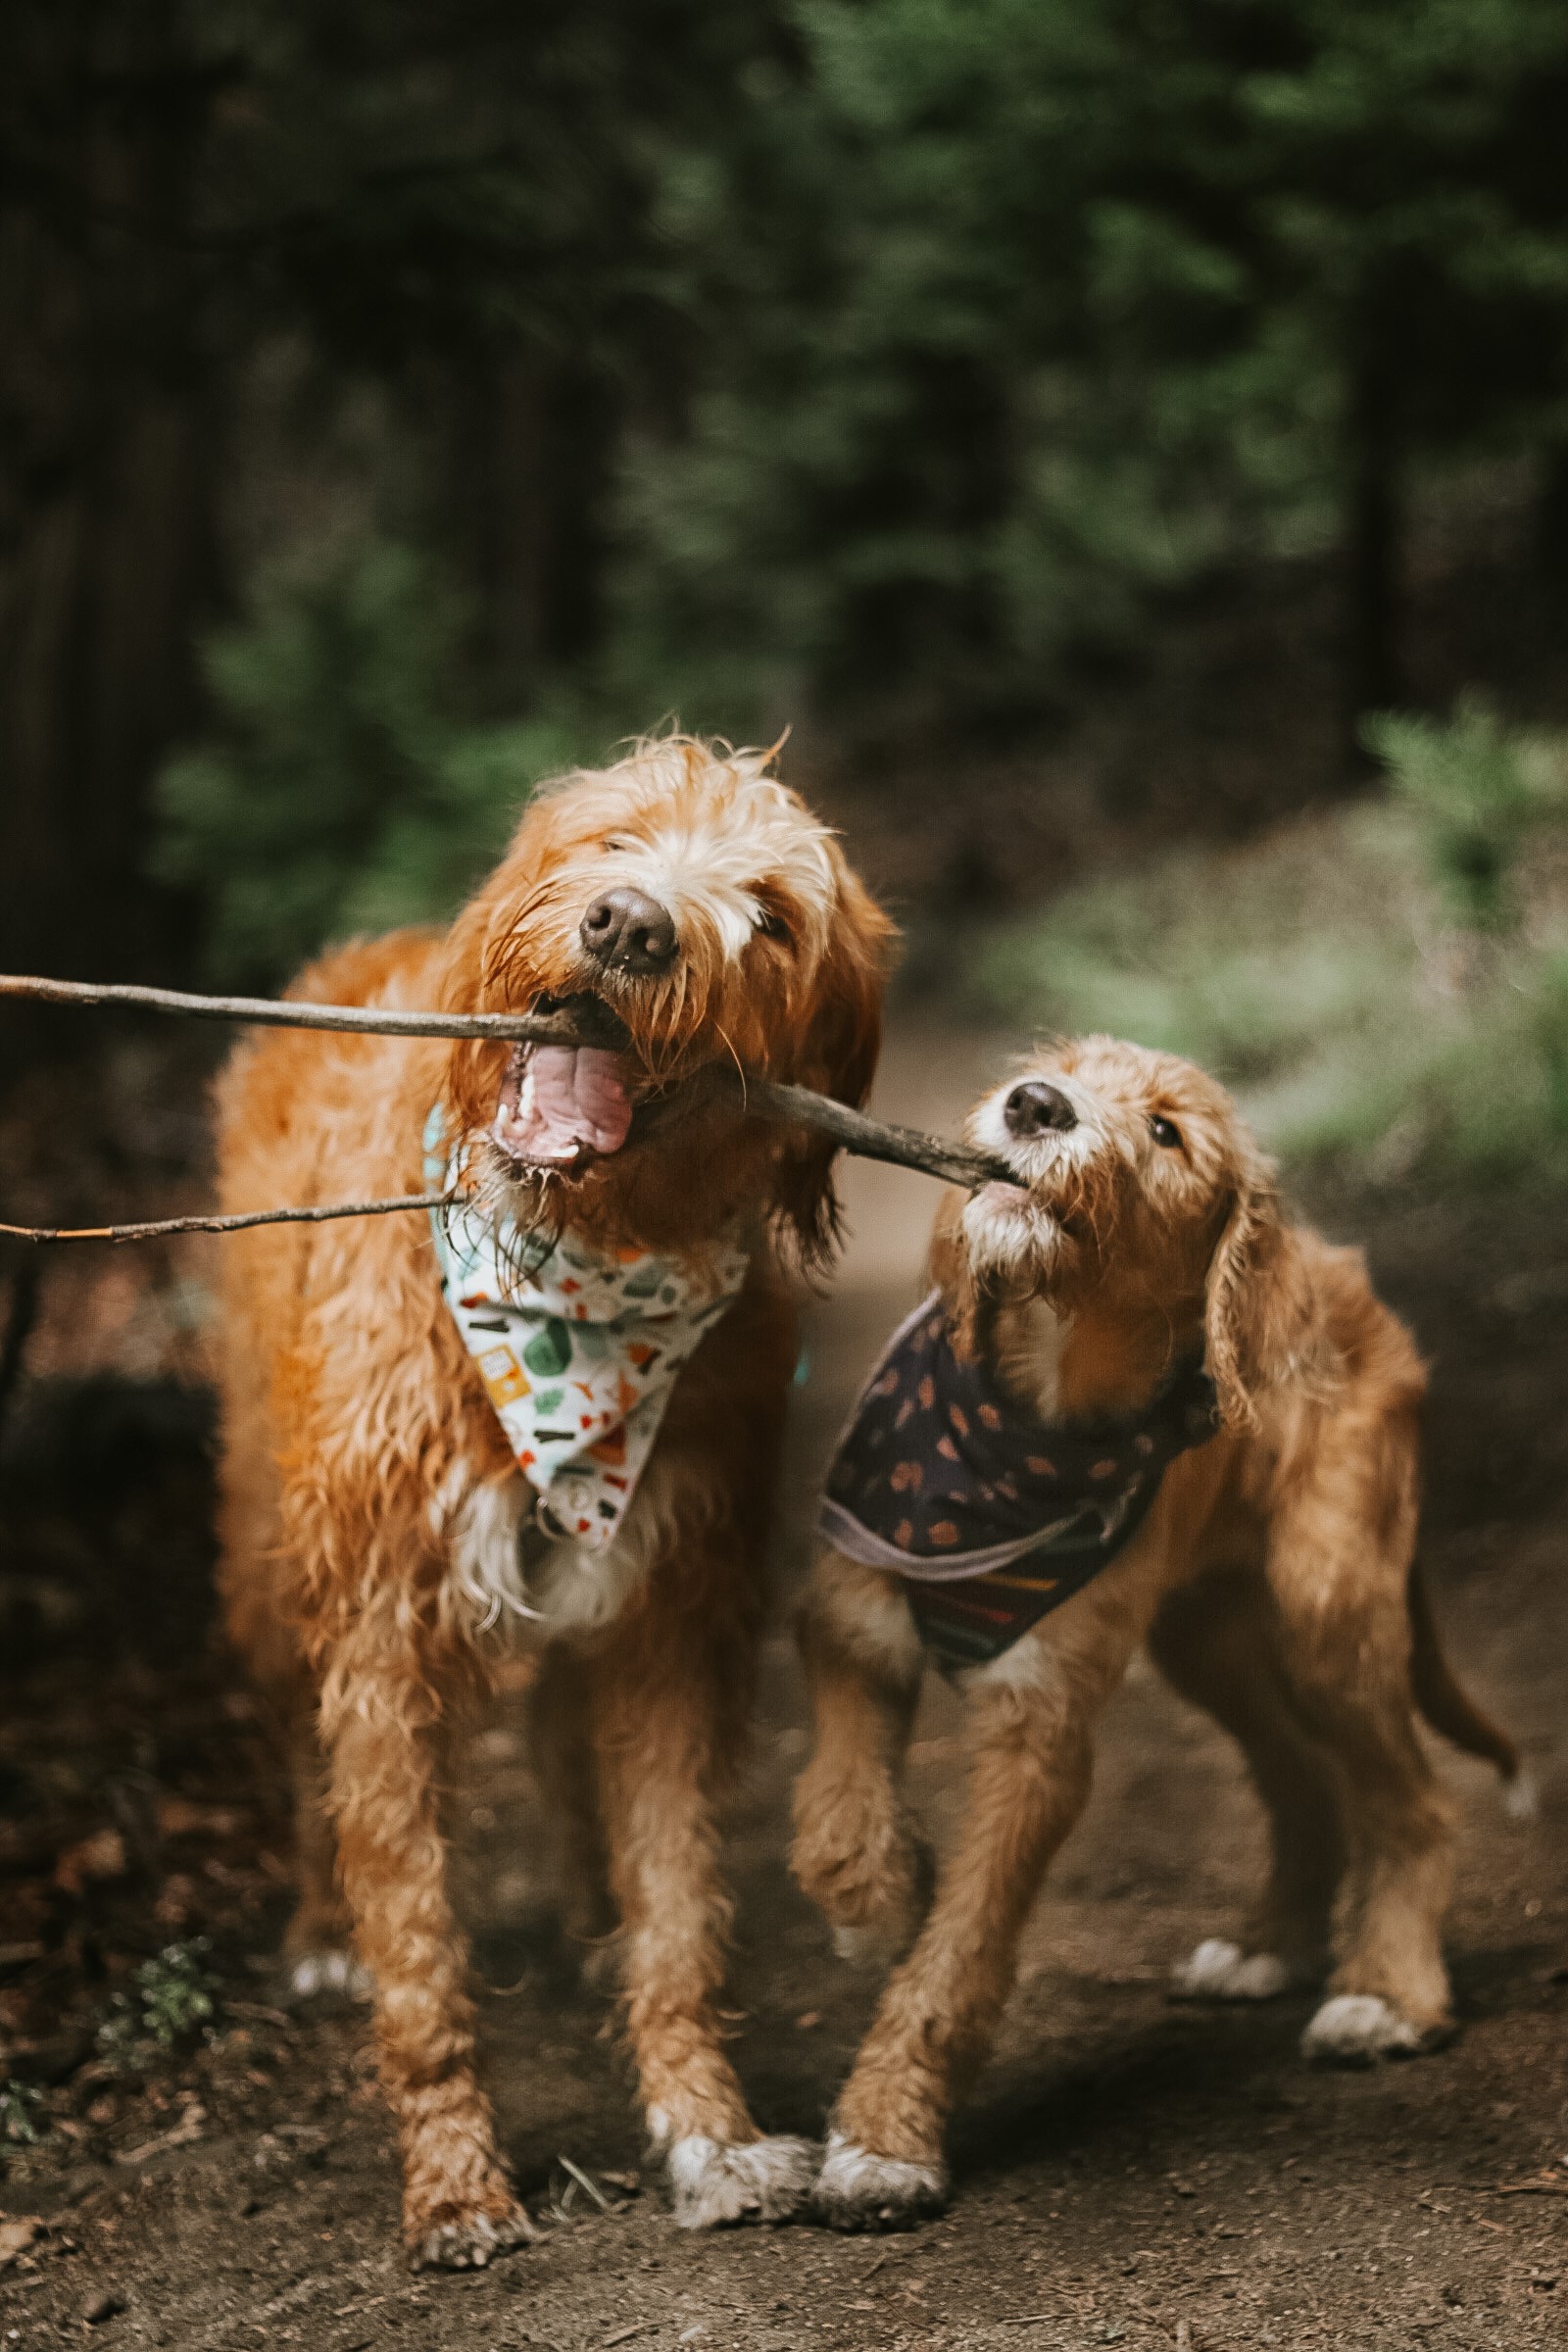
(502, 1375)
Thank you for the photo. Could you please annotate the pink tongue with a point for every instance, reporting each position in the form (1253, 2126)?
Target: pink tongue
(577, 1100)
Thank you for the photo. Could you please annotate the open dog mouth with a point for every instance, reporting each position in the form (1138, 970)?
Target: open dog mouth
(568, 1106)
(564, 1106)
(560, 1105)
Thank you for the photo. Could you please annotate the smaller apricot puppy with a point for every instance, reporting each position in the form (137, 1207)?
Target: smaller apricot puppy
(1138, 1406)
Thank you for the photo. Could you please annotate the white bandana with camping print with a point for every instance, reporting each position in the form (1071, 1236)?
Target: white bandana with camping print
(579, 1348)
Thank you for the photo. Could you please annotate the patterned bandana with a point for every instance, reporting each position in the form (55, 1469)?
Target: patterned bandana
(579, 1348)
(991, 1516)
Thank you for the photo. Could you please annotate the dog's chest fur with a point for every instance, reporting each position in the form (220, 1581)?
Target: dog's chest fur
(504, 1583)
(1029, 1342)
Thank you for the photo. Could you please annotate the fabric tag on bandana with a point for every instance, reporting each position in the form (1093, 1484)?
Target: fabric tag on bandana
(579, 1348)
(991, 1516)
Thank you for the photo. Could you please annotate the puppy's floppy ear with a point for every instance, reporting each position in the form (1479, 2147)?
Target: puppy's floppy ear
(1261, 1319)
(836, 1055)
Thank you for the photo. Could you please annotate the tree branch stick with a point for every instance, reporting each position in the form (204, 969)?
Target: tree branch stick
(586, 1022)
(237, 1224)
(873, 1139)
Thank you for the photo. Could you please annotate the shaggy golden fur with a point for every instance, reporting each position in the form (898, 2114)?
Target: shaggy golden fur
(370, 1507)
(1273, 1581)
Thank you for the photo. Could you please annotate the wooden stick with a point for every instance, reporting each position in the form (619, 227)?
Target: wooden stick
(255, 1216)
(587, 1023)
(873, 1139)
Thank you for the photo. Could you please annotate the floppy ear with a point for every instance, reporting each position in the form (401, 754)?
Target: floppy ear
(837, 1057)
(1261, 1318)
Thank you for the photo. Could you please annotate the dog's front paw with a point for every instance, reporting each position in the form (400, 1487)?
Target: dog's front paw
(328, 1969)
(1220, 1971)
(856, 2190)
(1357, 2029)
(466, 2242)
(714, 2185)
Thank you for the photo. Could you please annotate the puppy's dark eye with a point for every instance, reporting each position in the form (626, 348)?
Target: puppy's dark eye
(1166, 1134)
(772, 925)
(613, 844)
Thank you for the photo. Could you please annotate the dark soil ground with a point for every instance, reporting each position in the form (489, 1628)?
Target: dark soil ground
(1128, 2173)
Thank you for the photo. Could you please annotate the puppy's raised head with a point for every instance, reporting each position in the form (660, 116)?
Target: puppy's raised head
(1144, 1199)
(693, 894)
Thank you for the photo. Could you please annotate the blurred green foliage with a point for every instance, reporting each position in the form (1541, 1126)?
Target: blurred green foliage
(340, 790)
(1033, 307)
(1387, 986)
(872, 360)
(1477, 790)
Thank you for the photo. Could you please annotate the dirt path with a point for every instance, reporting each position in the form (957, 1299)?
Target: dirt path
(1128, 2172)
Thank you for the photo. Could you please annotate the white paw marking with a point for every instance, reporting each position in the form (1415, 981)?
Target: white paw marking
(713, 2185)
(1220, 1971)
(1355, 2028)
(330, 1972)
(859, 2190)
(863, 1947)
(1521, 1798)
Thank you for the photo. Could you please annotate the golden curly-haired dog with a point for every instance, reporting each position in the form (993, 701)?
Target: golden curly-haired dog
(373, 1509)
(1273, 1580)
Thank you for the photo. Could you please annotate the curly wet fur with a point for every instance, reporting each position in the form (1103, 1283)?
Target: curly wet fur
(1273, 1581)
(369, 1494)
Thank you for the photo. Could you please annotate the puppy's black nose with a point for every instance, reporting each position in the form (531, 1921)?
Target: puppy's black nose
(1036, 1108)
(630, 932)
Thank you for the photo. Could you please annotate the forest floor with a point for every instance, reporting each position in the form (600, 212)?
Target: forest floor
(1128, 2172)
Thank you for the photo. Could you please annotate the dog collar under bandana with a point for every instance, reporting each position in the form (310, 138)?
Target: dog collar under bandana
(991, 1516)
(579, 1348)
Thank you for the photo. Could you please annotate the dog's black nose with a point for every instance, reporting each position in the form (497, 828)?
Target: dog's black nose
(630, 931)
(1036, 1108)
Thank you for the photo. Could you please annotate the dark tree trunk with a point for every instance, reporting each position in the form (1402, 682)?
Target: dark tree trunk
(104, 511)
(1552, 517)
(533, 448)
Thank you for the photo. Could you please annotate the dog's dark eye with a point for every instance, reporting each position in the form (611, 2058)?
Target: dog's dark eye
(772, 925)
(613, 844)
(1166, 1134)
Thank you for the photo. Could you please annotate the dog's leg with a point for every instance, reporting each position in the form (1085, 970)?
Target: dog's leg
(671, 1695)
(1346, 1647)
(856, 1852)
(258, 1604)
(567, 1770)
(1216, 1642)
(381, 1718)
(319, 1947)
(1033, 1714)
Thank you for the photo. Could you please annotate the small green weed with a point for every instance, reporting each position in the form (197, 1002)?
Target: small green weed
(19, 2103)
(173, 1998)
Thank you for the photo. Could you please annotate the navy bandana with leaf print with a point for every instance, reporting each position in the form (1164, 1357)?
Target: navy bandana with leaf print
(991, 1515)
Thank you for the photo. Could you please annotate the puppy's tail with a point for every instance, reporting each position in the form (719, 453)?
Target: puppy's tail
(1450, 1709)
